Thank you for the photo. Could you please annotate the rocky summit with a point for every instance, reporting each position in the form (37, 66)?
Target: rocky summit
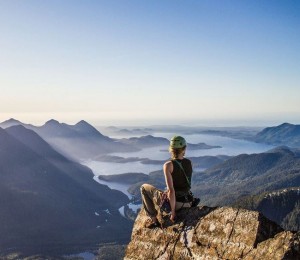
(213, 233)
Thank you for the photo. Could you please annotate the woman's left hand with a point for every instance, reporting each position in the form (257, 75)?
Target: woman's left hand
(173, 217)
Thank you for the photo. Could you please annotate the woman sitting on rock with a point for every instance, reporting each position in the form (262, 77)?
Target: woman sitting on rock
(178, 174)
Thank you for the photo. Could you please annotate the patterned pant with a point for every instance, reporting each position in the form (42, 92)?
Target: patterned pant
(151, 198)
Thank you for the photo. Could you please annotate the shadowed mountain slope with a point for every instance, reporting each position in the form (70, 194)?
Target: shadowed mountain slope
(49, 203)
(281, 206)
(79, 173)
(248, 175)
(284, 134)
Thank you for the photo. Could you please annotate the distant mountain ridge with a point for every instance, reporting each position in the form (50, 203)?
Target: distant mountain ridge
(145, 141)
(284, 134)
(80, 141)
(152, 141)
(12, 122)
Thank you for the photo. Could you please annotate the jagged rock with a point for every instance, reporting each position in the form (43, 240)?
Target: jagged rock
(213, 233)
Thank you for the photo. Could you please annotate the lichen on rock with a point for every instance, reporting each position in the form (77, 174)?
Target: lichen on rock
(213, 233)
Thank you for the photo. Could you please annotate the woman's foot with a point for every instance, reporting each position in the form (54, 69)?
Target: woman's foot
(152, 223)
(195, 202)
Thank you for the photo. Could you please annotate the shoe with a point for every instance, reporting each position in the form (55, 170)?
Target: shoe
(150, 224)
(165, 206)
(195, 202)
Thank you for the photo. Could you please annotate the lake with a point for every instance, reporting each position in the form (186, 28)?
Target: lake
(230, 147)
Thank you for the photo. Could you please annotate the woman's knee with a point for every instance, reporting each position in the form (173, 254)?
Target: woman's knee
(142, 189)
(146, 187)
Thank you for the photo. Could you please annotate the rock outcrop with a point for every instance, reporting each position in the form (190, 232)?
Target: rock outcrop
(213, 233)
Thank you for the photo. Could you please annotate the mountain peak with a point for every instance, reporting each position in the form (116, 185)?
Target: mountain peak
(281, 149)
(52, 122)
(83, 123)
(285, 125)
(84, 127)
(213, 233)
(10, 122)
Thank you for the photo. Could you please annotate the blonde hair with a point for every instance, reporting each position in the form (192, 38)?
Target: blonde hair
(176, 151)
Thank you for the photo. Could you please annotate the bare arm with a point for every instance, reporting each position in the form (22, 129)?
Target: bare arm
(168, 169)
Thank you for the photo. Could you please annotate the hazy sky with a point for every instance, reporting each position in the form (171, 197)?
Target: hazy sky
(155, 61)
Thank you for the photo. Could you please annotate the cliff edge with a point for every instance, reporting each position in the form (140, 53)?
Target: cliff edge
(213, 233)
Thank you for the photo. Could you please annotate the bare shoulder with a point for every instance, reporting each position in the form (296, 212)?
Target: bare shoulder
(168, 165)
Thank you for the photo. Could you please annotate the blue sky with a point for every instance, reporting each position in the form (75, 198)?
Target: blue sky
(143, 62)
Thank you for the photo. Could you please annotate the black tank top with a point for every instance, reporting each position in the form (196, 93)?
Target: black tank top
(180, 183)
